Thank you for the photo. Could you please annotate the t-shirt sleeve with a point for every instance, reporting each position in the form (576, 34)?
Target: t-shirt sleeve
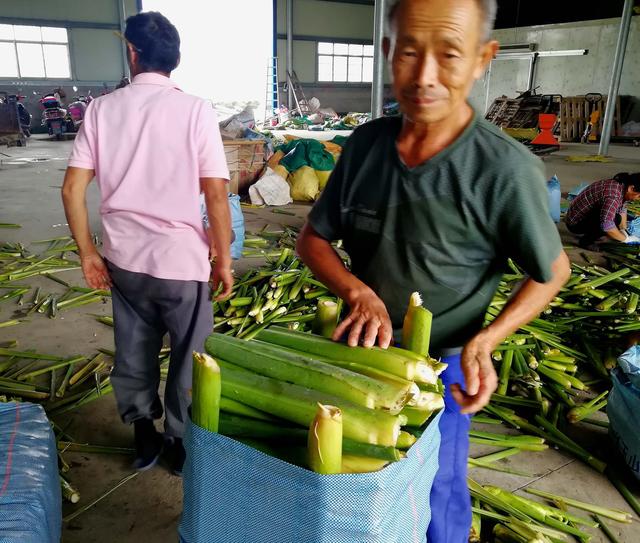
(212, 161)
(326, 216)
(83, 154)
(526, 231)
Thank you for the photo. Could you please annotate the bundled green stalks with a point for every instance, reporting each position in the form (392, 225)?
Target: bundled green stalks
(416, 330)
(205, 410)
(320, 404)
(558, 358)
(519, 519)
(325, 441)
(282, 292)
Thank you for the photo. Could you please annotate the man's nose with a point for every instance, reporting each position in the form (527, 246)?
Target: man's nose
(427, 71)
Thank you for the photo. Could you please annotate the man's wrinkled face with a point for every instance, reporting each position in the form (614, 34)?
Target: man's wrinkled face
(437, 51)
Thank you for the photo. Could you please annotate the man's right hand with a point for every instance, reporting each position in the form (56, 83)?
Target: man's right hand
(369, 316)
(95, 271)
(222, 277)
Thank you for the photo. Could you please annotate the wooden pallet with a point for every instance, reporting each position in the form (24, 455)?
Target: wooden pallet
(575, 112)
(502, 111)
(246, 160)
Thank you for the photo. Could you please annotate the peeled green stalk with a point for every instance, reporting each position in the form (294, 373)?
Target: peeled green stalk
(615, 514)
(206, 388)
(325, 441)
(405, 440)
(500, 455)
(300, 369)
(274, 432)
(57, 365)
(555, 375)
(600, 281)
(430, 401)
(361, 464)
(542, 513)
(326, 319)
(298, 404)
(608, 303)
(509, 443)
(407, 368)
(374, 373)
(418, 416)
(505, 370)
(68, 492)
(502, 534)
(576, 414)
(236, 408)
(606, 530)
(86, 369)
(476, 525)
(416, 329)
(377, 452)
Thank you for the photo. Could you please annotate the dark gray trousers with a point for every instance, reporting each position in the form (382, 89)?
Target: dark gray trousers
(145, 308)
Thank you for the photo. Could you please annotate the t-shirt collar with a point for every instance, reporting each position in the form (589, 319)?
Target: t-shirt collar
(152, 78)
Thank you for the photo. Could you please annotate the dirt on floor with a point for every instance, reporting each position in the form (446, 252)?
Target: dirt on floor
(148, 507)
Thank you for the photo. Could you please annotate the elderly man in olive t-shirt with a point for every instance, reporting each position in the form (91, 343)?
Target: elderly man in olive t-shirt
(437, 201)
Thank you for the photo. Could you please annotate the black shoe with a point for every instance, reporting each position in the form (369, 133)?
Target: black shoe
(175, 455)
(149, 444)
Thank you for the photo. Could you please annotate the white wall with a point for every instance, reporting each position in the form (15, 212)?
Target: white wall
(569, 76)
(95, 51)
(325, 21)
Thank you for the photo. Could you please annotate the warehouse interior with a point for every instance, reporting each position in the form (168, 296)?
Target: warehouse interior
(312, 71)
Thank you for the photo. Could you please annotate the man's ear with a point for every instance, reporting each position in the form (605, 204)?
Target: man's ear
(133, 54)
(386, 47)
(487, 54)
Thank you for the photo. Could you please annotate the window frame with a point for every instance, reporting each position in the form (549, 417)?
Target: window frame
(41, 43)
(347, 56)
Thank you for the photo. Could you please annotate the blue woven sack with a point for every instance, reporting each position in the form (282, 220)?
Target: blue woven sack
(623, 409)
(237, 225)
(236, 494)
(30, 496)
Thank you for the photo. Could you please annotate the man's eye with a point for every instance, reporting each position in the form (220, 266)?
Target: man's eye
(409, 53)
(451, 55)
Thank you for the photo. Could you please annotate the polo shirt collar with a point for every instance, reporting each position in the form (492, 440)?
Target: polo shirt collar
(152, 78)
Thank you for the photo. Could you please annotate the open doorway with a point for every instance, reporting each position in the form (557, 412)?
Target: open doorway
(225, 47)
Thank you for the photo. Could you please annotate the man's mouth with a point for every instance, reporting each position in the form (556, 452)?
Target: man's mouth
(424, 100)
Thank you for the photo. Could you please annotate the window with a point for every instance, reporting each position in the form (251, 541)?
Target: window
(345, 62)
(34, 51)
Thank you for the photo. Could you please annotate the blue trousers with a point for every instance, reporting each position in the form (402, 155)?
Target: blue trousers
(450, 500)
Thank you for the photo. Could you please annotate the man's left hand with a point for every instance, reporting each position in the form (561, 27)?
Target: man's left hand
(479, 374)
(95, 271)
(222, 275)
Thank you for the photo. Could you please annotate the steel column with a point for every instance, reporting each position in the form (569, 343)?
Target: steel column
(614, 87)
(122, 15)
(377, 88)
(290, 101)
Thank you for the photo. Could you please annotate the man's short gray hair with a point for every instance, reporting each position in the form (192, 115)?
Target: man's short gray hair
(489, 9)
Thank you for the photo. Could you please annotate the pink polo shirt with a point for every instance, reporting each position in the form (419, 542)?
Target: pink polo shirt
(149, 144)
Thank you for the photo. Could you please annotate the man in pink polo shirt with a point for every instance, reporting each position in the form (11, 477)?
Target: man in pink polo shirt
(153, 149)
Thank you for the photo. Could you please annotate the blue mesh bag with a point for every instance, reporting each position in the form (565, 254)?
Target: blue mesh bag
(30, 496)
(236, 494)
(623, 409)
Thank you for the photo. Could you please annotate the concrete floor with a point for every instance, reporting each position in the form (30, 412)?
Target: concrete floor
(148, 507)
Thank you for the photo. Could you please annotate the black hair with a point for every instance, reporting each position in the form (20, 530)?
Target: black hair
(155, 39)
(629, 180)
(489, 9)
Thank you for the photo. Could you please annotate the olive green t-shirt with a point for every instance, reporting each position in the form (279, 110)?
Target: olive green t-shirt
(444, 228)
